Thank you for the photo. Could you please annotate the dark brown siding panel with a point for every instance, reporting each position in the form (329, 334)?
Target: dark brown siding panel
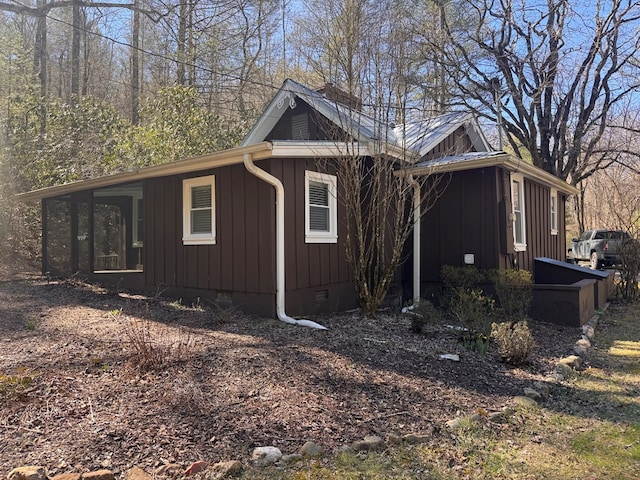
(150, 207)
(172, 229)
(252, 233)
(239, 235)
(225, 228)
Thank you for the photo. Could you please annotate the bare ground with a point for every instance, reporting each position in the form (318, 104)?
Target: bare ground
(224, 382)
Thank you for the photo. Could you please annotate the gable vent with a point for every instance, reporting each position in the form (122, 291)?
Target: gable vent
(300, 127)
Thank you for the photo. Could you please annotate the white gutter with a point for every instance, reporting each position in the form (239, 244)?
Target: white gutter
(280, 263)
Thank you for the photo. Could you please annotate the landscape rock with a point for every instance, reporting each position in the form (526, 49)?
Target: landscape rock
(455, 423)
(533, 394)
(572, 361)
(543, 388)
(291, 458)
(589, 332)
(135, 473)
(497, 417)
(417, 438)
(225, 469)
(580, 351)
(525, 401)
(343, 449)
(263, 456)
(168, 470)
(27, 473)
(583, 343)
(370, 443)
(196, 467)
(393, 439)
(67, 476)
(98, 475)
(310, 449)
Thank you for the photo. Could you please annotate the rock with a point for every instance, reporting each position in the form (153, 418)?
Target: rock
(393, 439)
(533, 394)
(416, 438)
(572, 361)
(525, 401)
(98, 475)
(583, 343)
(310, 449)
(563, 370)
(136, 473)
(263, 456)
(589, 332)
(543, 388)
(450, 356)
(172, 470)
(27, 473)
(557, 376)
(370, 443)
(343, 449)
(455, 423)
(497, 417)
(580, 351)
(68, 476)
(291, 458)
(225, 469)
(196, 467)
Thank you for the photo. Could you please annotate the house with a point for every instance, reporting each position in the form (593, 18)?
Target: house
(261, 225)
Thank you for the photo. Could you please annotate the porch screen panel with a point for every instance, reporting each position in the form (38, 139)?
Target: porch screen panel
(82, 240)
(58, 237)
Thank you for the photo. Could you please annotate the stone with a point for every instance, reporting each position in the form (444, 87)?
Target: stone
(172, 470)
(136, 473)
(572, 361)
(30, 472)
(68, 476)
(370, 443)
(98, 475)
(455, 423)
(533, 394)
(225, 469)
(263, 456)
(543, 388)
(196, 467)
(310, 449)
(525, 401)
(291, 458)
(393, 439)
(416, 438)
(583, 343)
(497, 417)
(580, 351)
(557, 376)
(589, 332)
(343, 449)
(563, 370)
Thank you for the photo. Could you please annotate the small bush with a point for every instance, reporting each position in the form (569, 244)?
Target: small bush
(629, 270)
(424, 315)
(155, 350)
(513, 289)
(465, 300)
(514, 340)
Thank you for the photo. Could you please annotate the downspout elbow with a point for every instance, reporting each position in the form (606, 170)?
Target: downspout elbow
(280, 251)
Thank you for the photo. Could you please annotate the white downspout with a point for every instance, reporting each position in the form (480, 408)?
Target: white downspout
(416, 239)
(280, 260)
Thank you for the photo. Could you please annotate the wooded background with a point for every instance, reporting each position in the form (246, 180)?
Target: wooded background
(89, 88)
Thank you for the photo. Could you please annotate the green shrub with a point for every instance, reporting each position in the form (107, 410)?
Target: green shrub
(465, 299)
(423, 315)
(514, 340)
(513, 289)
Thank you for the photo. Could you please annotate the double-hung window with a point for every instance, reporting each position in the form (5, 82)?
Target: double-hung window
(198, 211)
(518, 205)
(321, 217)
(554, 212)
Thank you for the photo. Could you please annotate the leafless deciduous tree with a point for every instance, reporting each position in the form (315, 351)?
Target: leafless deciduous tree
(564, 71)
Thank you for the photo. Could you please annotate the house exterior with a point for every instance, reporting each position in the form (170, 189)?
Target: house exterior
(261, 225)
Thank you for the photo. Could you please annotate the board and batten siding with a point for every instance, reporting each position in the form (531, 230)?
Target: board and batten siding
(540, 241)
(242, 264)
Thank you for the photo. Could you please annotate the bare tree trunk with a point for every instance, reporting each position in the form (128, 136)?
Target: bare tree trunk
(135, 66)
(40, 63)
(181, 47)
(75, 52)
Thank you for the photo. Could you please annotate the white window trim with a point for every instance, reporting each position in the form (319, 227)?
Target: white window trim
(331, 236)
(519, 247)
(189, 238)
(554, 228)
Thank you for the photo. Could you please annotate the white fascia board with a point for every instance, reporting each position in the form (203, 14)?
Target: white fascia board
(202, 162)
(310, 149)
(510, 162)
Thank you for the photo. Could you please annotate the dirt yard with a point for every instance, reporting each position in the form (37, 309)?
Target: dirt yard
(112, 380)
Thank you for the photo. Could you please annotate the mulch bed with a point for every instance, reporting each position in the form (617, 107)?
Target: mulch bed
(217, 383)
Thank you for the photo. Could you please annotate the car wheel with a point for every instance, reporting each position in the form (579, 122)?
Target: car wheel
(594, 262)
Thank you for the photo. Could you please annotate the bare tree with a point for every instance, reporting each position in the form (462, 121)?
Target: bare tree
(561, 71)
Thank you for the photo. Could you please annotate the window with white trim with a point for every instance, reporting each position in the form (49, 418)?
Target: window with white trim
(321, 208)
(198, 211)
(554, 212)
(518, 206)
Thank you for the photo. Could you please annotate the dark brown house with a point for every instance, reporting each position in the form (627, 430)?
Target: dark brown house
(260, 225)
